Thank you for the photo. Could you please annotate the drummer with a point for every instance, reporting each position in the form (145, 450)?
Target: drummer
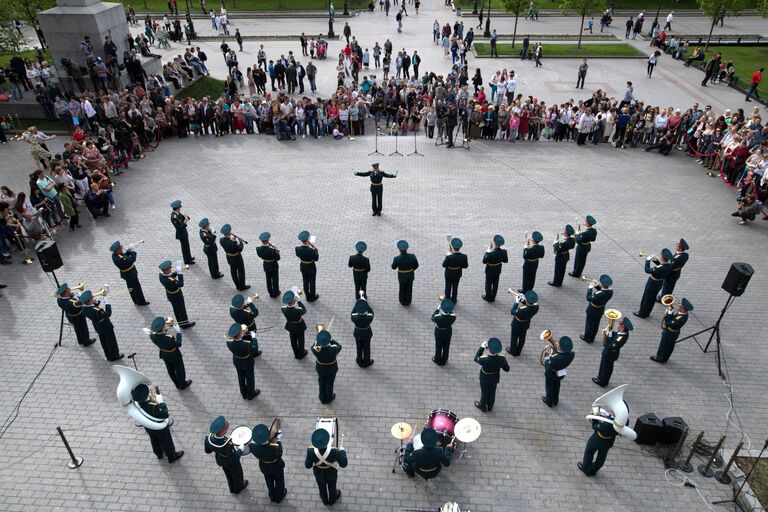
(428, 460)
(227, 455)
(270, 455)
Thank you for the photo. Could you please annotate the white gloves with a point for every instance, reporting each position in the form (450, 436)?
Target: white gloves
(248, 300)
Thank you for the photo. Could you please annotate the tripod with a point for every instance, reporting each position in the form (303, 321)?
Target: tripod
(415, 151)
(376, 150)
(737, 492)
(396, 152)
(715, 335)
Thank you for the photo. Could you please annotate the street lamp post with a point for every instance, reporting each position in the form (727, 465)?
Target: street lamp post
(330, 20)
(487, 32)
(474, 7)
(656, 20)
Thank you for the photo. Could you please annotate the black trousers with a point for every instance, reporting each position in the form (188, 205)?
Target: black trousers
(179, 308)
(491, 287)
(442, 347)
(669, 283)
(174, 363)
(363, 348)
(580, 259)
(517, 339)
(606, 370)
(237, 270)
(185, 251)
(652, 289)
(273, 282)
(377, 194)
(137, 294)
(406, 293)
(213, 263)
(275, 481)
(560, 265)
(361, 281)
(552, 387)
(109, 343)
(325, 380)
(452, 288)
(308, 276)
(581, 138)
(529, 275)
(80, 325)
(326, 483)
(162, 443)
(246, 381)
(592, 323)
(297, 344)
(487, 394)
(591, 464)
(234, 474)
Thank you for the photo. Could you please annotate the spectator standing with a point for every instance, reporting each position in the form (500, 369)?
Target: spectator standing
(494, 39)
(713, 66)
(754, 83)
(668, 24)
(653, 59)
(630, 23)
(582, 74)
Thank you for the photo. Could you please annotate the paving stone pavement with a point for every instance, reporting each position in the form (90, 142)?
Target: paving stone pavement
(526, 456)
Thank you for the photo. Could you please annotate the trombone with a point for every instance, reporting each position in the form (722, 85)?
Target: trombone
(325, 327)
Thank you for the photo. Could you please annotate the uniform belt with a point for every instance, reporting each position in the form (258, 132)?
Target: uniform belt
(296, 322)
(231, 253)
(172, 292)
(405, 271)
(493, 264)
(307, 262)
(128, 269)
(206, 245)
(442, 328)
(676, 269)
(375, 184)
(520, 319)
(323, 466)
(584, 243)
(368, 328)
(75, 315)
(165, 350)
(268, 261)
(428, 470)
(453, 268)
(655, 278)
(670, 329)
(596, 305)
(358, 269)
(531, 259)
(326, 364)
(100, 320)
(269, 461)
(243, 357)
(488, 373)
(601, 436)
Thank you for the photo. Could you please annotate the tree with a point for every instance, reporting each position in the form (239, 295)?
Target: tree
(517, 7)
(762, 8)
(717, 9)
(10, 40)
(584, 8)
(26, 10)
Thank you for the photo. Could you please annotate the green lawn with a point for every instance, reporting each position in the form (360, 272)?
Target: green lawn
(205, 86)
(758, 481)
(246, 5)
(27, 54)
(650, 7)
(746, 59)
(565, 50)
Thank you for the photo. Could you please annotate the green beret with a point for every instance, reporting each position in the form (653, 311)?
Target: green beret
(569, 229)
(166, 265)
(537, 237)
(361, 306)
(61, 289)
(566, 344)
(498, 240)
(456, 243)
(666, 253)
(687, 305)
(217, 424)
(323, 338)
(627, 323)
(429, 438)
(86, 296)
(264, 236)
(684, 244)
(226, 229)
(140, 392)
(402, 245)
(361, 246)
(115, 246)
(531, 297)
(203, 222)
(234, 329)
(494, 345)
(288, 297)
(176, 204)
(320, 438)
(447, 306)
(606, 280)
(260, 434)
(157, 323)
(304, 236)
(238, 300)
(591, 220)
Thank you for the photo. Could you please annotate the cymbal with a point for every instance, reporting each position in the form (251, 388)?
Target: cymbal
(467, 430)
(401, 430)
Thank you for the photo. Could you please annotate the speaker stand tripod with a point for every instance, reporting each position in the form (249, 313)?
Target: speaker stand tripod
(415, 151)
(715, 335)
(376, 150)
(396, 152)
(737, 492)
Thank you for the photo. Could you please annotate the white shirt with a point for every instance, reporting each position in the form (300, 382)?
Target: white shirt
(88, 108)
(511, 84)
(669, 18)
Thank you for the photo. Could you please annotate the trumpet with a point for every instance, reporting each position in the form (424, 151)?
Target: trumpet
(80, 287)
(361, 294)
(551, 348)
(311, 242)
(592, 282)
(133, 245)
(270, 244)
(254, 297)
(238, 238)
(518, 296)
(169, 321)
(448, 238)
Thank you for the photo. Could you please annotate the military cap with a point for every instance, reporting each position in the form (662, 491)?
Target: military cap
(288, 297)
(203, 222)
(627, 323)
(361, 246)
(86, 296)
(429, 438)
(537, 237)
(115, 246)
(684, 244)
(606, 280)
(234, 329)
(238, 300)
(323, 338)
(217, 424)
(666, 253)
(260, 434)
(61, 289)
(494, 345)
(140, 392)
(498, 240)
(265, 236)
(569, 229)
(456, 243)
(176, 204)
(447, 305)
(531, 297)
(375, 164)
(320, 438)
(687, 305)
(226, 229)
(566, 343)
(402, 245)
(157, 323)
(361, 306)
(166, 265)
(304, 235)
(591, 220)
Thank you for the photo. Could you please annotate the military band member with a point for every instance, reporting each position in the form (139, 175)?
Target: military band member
(173, 282)
(598, 295)
(428, 460)
(360, 266)
(532, 253)
(125, 260)
(673, 322)
(293, 311)
(377, 187)
(599, 443)
(362, 317)
(611, 351)
(491, 361)
(554, 370)
(584, 241)
(208, 236)
(233, 248)
(244, 312)
(325, 351)
(406, 264)
(179, 221)
(657, 269)
(102, 324)
(308, 255)
(443, 317)
(562, 249)
(243, 352)
(162, 441)
(73, 310)
(270, 256)
(493, 259)
(525, 308)
(323, 458)
(678, 262)
(453, 264)
(269, 452)
(170, 345)
(227, 454)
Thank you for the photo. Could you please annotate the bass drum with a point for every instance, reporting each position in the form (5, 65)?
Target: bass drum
(331, 425)
(443, 422)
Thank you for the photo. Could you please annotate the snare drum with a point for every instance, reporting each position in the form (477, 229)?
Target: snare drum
(331, 425)
(241, 437)
(443, 422)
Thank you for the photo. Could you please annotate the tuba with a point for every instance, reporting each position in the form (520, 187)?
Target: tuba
(129, 379)
(613, 403)
(546, 353)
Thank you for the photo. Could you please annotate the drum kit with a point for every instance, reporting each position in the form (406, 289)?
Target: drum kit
(449, 429)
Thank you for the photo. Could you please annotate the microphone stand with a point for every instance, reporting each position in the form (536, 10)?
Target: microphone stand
(737, 492)
(376, 150)
(396, 152)
(415, 151)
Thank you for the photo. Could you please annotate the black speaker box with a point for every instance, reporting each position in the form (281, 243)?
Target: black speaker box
(648, 428)
(737, 279)
(48, 255)
(672, 429)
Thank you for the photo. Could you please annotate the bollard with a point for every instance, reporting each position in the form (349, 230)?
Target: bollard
(76, 461)
(686, 465)
(669, 460)
(722, 476)
(705, 469)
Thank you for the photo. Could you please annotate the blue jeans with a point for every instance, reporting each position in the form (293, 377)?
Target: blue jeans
(313, 127)
(302, 124)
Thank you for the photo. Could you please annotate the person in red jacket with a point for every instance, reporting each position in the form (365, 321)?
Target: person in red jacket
(757, 77)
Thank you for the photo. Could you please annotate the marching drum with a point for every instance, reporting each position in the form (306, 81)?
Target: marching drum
(331, 425)
(443, 422)
(241, 437)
